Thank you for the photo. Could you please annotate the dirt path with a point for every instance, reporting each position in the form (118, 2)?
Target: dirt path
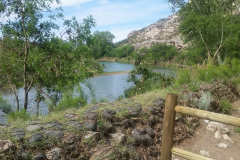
(204, 140)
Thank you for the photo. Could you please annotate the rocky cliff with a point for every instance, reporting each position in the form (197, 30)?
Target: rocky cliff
(163, 31)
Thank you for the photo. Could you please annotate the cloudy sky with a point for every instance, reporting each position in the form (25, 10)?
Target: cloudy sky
(120, 17)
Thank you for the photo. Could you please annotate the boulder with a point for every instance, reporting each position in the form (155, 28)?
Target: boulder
(18, 133)
(108, 113)
(33, 127)
(35, 137)
(55, 135)
(119, 138)
(90, 125)
(92, 135)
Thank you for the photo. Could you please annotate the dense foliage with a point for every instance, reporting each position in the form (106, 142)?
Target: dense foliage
(32, 55)
(211, 28)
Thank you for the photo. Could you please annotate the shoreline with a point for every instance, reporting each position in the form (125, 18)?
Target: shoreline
(112, 73)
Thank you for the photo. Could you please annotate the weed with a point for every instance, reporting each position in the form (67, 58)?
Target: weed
(23, 115)
(225, 106)
(237, 130)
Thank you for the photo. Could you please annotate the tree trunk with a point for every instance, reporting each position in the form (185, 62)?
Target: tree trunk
(25, 100)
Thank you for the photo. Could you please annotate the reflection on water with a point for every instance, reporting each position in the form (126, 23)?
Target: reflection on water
(105, 87)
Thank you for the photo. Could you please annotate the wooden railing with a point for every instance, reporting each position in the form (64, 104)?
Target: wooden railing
(168, 127)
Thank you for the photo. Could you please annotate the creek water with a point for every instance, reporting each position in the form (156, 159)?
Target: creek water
(107, 88)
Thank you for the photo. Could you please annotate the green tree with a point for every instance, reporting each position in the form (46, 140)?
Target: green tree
(123, 51)
(211, 25)
(101, 44)
(162, 52)
(31, 54)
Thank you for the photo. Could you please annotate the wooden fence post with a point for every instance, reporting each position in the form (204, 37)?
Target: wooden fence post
(168, 126)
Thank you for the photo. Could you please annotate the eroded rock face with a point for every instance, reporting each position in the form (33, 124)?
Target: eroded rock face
(163, 31)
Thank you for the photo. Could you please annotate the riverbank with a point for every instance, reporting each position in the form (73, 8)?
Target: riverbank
(123, 129)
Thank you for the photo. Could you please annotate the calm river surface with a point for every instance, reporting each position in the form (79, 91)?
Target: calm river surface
(107, 88)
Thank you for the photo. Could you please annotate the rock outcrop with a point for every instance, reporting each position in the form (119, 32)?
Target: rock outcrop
(163, 31)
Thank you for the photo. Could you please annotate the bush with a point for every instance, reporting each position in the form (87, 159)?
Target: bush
(183, 77)
(204, 102)
(23, 115)
(5, 106)
(225, 106)
(69, 100)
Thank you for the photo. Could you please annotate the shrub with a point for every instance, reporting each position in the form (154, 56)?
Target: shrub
(23, 115)
(225, 106)
(204, 101)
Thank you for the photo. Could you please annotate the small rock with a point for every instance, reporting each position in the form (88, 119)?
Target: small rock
(33, 127)
(18, 133)
(138, 137)
(90, 126)
(222, 145)
(54, 125)
(35, 137)
(206, 121)
(75, 124)
(217, 135)
(142, 130)
(92, 135)
(39, 157)
(126, 123)
(226, 137)
(152, 119)
(6, 145)
(55, 135)
(149, 140)
(91, 115)
(91, 109)
(150, 132)
(214, 126)
(108, 113)
(118, 137)
(54, 154)
(71, 116)
(204, 153)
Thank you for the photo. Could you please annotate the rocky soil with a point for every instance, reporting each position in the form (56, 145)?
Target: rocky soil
(215, 140)
(120, 130)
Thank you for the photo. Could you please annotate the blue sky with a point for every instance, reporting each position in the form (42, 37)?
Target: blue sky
(120, 17)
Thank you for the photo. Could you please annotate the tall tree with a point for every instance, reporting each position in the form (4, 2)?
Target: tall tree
(212, 25)
(101, 43)
(30, 52)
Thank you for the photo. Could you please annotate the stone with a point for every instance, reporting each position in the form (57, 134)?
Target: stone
(6, 145)
(126, 123)
(92, 135)
(71, 116)
(39, 156)
(214, 126)
(138, 137)
(206, 121)
(22, 155)
(54, 125)
(152, 119)
(55, 135)
(54, 154)
(33, 127)
(90, 126)
(217, 135)
(222, 145)
(204, 153)
(119, 138)
(150, 132)
(35, 137)
(149, 140)
(107, 113)
(75, 125)
(18, 133)
(91, 109)
(91, 115)
(142, 130)
(226, 137)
